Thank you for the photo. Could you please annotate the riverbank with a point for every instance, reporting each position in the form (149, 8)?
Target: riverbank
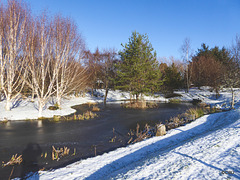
(24, 109)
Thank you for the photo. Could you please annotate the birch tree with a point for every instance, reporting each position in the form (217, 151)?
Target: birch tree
(42, 68)
(68, 48)
(13, 22)
(186, 50)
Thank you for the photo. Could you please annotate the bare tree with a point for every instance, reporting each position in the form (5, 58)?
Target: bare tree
(232, 69)
(77, 77)
(41, 65)
(186, 50)
(13, 22)
(109, 59)
(206, 70)
(2, 60)
(68, 48)
(93, 61)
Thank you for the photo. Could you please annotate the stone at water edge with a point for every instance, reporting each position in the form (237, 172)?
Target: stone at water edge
(161, 130)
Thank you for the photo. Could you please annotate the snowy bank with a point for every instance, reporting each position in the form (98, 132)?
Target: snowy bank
(25, 109)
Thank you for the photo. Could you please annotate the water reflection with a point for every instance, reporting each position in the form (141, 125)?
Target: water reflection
(39, 123)
(30, 157)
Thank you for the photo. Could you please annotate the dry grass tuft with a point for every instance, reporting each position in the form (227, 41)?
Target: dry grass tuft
(95, 109)
(135, 105)
(91, 104)
(13, 161)
(85, 116)
(59, 153)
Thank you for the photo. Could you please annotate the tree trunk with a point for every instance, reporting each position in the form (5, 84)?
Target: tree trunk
(8, 103)
(40, 108)
(92, 92)
(59, 101)
(217, 93)
(187, 81)
(137, 97)
(233, 97)
(32, 99)
(105, 98)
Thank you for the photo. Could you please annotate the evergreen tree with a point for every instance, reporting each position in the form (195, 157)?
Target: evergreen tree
(208, 66)
(173, 79)
(138, 70)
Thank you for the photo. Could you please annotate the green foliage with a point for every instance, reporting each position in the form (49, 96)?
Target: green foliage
(209, 66)
(138, 70)
(173, 79)
(221, 55)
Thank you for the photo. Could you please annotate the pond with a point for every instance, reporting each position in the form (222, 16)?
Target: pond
(88, 137)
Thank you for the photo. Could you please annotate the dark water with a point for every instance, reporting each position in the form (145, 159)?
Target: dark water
(33, 138)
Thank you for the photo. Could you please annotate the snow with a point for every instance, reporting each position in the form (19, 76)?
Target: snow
(208, 148)
(25, 109)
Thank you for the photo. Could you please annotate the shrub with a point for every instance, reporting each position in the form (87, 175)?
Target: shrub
(173, 100)
(135, 105)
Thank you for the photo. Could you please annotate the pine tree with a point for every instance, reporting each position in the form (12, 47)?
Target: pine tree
(138, 69)
(173, 79)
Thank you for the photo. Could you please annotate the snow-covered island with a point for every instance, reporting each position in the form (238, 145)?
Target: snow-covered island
(207, 148)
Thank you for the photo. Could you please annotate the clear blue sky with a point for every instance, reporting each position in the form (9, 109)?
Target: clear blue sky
(108, 23)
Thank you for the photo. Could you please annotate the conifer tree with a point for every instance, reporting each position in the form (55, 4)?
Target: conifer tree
(173, 79)
(138, 69)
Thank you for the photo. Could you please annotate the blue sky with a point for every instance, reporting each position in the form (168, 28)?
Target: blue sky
(108, 23)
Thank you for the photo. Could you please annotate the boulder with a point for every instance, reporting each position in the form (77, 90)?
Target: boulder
(161, 130)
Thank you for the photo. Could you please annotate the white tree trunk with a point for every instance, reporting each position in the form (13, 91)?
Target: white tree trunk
(59, 101)
(8, 103)
(40, 108)
(233, 98)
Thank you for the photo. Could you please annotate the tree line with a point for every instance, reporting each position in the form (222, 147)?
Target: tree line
(45, 56)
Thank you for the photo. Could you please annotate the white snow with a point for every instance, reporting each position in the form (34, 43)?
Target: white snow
(208, 148)
(24, 109)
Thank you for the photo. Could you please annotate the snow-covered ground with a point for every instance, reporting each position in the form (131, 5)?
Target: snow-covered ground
(25, 109)
(208, 148)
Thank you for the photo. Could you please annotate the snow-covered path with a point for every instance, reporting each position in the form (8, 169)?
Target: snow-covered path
(208, 148)
(214, 155)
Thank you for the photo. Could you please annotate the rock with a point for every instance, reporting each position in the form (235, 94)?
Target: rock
(161, 130)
